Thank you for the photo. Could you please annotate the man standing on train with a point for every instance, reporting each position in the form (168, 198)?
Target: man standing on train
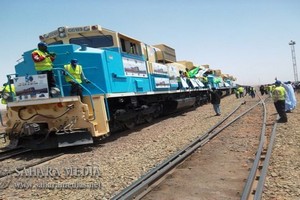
(43, 63)
(7, 91)
(77, 74)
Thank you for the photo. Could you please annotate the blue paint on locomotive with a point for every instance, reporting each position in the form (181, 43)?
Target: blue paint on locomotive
(211, 81)
(123, 76)
(160, 82)
(109, 69)
(26, 66)
(104, 67)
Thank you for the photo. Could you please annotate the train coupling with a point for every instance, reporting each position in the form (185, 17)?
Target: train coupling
(31, 128)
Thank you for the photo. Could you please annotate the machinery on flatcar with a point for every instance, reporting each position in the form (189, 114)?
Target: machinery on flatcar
(131, 83)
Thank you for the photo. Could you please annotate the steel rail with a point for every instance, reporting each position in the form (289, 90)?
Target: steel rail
(252, 174)
(262, 178)
(141, 185)
(43, 160)
(13, 152)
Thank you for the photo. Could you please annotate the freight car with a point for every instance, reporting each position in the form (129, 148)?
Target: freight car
(131, 83)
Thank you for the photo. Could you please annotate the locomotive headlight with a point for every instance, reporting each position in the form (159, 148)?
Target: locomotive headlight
(61, 29)
(61, 32)
(62, 35)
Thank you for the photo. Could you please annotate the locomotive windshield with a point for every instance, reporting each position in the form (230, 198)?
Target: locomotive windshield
(94, 41)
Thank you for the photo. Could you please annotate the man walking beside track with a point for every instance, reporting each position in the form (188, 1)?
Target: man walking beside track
(216, 100)
(279, 95)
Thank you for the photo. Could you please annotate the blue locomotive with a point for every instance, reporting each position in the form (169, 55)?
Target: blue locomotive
(131, 83)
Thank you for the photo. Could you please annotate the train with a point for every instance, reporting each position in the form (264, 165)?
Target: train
(131, 82)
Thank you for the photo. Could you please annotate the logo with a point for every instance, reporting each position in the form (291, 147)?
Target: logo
(28, 78)
(5, 179)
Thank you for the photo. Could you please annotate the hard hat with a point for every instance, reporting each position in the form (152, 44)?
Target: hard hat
(42, 44)
(73, 61)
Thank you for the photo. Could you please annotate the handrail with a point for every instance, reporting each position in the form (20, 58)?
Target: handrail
(105, 99)
(96, 86)
(1, 120)
(11, 93)
(73, 79)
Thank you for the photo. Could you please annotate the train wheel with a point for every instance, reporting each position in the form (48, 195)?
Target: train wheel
(149, 118)
(158, 111)
(129, 124)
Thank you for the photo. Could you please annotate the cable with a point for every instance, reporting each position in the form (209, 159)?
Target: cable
(69, 107)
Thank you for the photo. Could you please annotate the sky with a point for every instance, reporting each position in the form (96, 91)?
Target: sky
(246, 39)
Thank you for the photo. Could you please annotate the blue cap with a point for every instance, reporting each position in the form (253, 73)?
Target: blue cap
(74, 61)
(42, 44)
(277, 82)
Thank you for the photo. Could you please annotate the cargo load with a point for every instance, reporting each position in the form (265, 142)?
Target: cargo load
(165, 54)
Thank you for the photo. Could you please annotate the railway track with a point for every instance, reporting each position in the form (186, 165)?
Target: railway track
(147, 182)
(28, 165)
(13, 152)
(255, 182)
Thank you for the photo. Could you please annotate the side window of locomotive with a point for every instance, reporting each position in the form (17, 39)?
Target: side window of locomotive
(130, 47)
(94, 41)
